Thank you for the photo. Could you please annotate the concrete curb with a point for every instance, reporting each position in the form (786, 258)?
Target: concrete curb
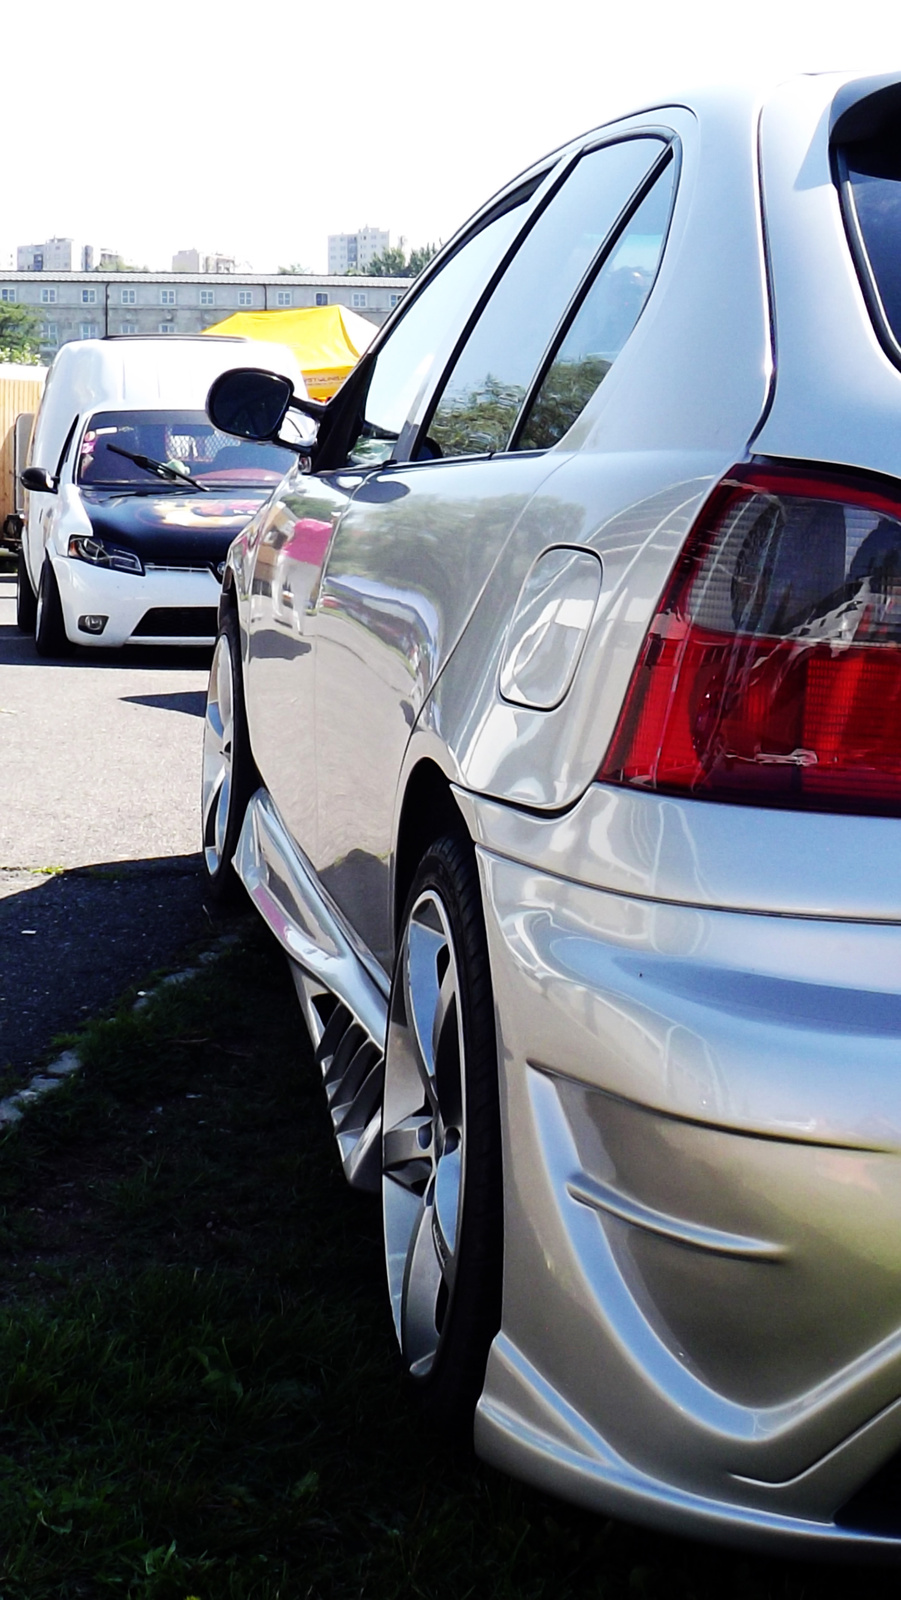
(50, 1077)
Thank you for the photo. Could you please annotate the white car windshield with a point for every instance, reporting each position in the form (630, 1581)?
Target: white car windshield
(131, 449)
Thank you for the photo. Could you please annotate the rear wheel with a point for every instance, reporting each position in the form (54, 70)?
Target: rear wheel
(50, 634)
(229, 774)
(441, 1147)
(26, 599)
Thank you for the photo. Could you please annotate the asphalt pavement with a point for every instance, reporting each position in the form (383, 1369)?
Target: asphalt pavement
(100, 874)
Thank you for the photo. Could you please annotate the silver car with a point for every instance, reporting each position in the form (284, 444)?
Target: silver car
(554, 728)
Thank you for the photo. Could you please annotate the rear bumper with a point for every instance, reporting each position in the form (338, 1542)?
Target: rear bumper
(125, 599)
(702, 1162)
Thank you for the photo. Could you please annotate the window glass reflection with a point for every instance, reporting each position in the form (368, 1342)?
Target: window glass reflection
(603, 322)
(485, 391)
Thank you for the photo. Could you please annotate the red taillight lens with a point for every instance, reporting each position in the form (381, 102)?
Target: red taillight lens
(771, 673)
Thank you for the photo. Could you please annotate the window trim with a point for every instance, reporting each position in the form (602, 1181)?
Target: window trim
(355, 388)
(860, 256)
(672, 153)
(671, 150)
(67, 444)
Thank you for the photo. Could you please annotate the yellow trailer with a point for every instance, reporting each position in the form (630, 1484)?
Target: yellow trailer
(20, 393)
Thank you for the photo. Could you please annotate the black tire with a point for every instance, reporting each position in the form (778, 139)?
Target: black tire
(50, 635)
(445, 1323)
(26, 599)
(230, 776)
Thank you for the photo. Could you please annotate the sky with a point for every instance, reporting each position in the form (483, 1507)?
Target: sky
(255, 131)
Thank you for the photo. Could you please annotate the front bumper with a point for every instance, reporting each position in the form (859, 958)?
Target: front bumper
(126, 598)
(702, 1165)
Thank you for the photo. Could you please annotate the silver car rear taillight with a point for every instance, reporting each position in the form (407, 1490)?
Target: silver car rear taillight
(771, 673)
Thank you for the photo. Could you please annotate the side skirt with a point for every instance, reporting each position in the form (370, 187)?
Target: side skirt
(342, 989)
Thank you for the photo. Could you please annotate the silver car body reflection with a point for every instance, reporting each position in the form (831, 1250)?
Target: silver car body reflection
(698, 1006)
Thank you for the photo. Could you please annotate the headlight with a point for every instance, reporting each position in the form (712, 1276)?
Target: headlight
(104, 555)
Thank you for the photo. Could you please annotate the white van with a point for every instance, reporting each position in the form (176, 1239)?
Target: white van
(133, 497)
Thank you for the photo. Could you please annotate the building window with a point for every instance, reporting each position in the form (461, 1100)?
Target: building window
(284, 297)
(89, 297)
(128, 327)
(9, 295)
(207, 297)
(322, 299)
(49, 333)
(48, 297)
(358, 299)
(89, 330)
(167, 327)
(127, 297)
(245, 297)
(395, 299)
(167, 297)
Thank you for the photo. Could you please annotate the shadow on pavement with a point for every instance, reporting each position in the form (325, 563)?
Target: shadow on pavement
(71, 943)
(191, 701)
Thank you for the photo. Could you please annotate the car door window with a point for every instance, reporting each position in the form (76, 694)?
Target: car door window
(610, 307)
(406, 359)
(488, 383)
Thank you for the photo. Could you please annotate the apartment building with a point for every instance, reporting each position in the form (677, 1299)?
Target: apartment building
(352, 252)
(90, 305)
(54, 255)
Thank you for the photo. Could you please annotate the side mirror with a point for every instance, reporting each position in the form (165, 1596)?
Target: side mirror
(38, 480)
(249, 403)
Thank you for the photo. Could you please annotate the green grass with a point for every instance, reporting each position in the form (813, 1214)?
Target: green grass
(199, 1393)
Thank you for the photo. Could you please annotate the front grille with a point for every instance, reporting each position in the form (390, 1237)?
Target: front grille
(157, 566)
(178, 622)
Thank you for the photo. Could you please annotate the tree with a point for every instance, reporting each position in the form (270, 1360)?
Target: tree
(390, 263)
(20, 335)
(395, 263)
(420, 258)
(295, 267)
(113, 263)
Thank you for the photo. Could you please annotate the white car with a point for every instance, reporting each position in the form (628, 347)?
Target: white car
(133, 496)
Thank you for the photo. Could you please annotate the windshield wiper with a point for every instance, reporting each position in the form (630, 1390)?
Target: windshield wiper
(160, 469)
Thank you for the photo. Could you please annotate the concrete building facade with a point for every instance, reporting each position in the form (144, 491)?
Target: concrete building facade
(90, 305)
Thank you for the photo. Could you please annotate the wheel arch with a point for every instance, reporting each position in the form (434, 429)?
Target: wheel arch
(428, 812)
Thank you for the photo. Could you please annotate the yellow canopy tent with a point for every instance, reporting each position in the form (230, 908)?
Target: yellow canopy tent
(327, 340)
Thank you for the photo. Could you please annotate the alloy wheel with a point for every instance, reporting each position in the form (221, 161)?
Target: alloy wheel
(424, 1122)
